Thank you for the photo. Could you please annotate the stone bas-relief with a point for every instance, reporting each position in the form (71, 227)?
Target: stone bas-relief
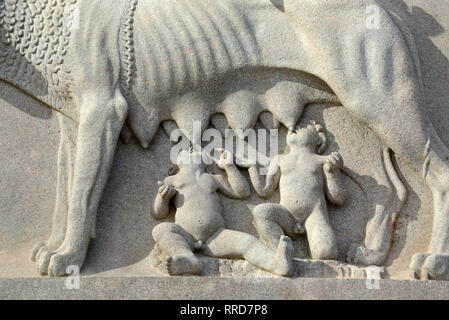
(131, 68)
(301, 268)
(199, 225)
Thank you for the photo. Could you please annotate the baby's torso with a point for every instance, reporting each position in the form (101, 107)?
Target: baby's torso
(301, 184)
(198, 207)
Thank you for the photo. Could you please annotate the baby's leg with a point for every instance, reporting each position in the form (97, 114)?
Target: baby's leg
(321, 237)
(238, 245)
(273, 221)
(177, 244)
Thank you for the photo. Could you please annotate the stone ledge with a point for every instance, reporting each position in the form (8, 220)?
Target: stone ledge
(191, 288)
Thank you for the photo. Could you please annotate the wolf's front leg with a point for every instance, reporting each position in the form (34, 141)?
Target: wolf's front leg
(43, 251)
(101, 120)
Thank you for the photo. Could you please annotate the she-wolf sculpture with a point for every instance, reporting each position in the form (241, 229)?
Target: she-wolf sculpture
(108, 66)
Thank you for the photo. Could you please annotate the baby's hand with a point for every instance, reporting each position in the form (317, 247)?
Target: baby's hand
(244, 163)
(225, 160)
(166, 191)
(334, 162)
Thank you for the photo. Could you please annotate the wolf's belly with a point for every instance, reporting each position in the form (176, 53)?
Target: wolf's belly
(201, 57)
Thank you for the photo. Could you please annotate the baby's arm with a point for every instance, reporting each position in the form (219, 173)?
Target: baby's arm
(162, 202)
(335, 191)
(235, 186)
(265, 190)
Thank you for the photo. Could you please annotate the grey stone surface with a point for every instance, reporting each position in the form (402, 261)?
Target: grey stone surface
(207, 288)
(362, 131)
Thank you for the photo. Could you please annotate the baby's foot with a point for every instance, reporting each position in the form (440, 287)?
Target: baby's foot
(177, 265)
(284, 257)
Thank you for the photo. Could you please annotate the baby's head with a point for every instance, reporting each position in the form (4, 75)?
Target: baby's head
(189, 158)
(310, 134)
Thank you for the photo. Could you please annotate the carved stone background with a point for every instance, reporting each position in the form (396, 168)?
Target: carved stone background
(28, 151)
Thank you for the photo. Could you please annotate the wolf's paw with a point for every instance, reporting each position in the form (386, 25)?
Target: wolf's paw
(43, 260)
(37, 248)
(428, 266)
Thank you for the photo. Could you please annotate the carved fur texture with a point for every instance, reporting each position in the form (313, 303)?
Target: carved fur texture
(34, 39)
